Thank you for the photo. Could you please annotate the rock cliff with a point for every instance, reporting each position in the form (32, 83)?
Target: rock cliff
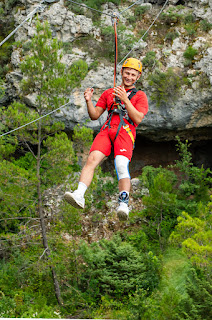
(183, 25)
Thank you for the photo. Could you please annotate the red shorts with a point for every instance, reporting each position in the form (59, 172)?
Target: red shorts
(123, 144)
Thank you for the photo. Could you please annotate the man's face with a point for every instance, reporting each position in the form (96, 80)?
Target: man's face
(129, 76)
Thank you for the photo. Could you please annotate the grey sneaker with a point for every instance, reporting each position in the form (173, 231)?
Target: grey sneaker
(75, 199)
(123, 211)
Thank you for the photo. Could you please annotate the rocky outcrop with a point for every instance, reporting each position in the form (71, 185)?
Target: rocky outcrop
(190, 115)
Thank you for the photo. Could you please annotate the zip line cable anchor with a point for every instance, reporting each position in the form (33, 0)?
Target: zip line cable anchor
(115, 17)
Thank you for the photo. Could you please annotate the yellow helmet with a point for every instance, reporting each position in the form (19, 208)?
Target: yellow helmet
(133, 63)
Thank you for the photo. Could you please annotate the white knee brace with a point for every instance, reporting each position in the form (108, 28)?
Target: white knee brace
(122, 167)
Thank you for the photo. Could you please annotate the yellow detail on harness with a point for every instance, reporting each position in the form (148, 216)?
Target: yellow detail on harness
(127, 128)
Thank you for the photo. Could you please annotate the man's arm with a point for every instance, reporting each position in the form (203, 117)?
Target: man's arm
(94, 112)
(133, 113)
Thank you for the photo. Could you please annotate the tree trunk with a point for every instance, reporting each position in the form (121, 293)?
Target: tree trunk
(42, 220)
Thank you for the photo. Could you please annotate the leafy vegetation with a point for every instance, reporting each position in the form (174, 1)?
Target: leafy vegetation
(205, 25)
(165, 86)
(150, 271)
(189, 55)
(156, 266)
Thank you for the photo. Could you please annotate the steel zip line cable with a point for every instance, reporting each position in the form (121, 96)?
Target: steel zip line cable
(24, 125)
(20, 25)
(30, 15)
(145, 32)
(131, 6)
(85, 6)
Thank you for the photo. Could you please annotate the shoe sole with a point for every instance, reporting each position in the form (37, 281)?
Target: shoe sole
(68, 197)
(122, 215)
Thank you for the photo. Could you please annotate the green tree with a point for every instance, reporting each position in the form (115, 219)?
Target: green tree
(116, 269)
(194, 181)
(161, 202)
(49, 80)
(194, 235)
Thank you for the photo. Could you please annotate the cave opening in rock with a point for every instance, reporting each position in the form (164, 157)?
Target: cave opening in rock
(180, 2)
(162, 153)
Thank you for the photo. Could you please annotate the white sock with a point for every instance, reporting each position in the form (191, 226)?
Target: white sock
(82, 188)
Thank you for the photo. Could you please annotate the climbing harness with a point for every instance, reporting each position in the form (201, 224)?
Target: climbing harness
(118, 109)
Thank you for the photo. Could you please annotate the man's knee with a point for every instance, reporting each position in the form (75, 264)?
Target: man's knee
(122, 167)
(94, 159)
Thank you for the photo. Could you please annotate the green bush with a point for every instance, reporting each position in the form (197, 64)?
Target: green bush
(95, 4)
(150, 60)
(131, 19)
(172, 35)
(205, 25)
(116, 269)
(191, 29)
(194, 236)
(170, 17)
(140, 11)
(141, 32)
(161, 207)
(189, 53)
(194, 181)
(166, 86)
(82, 136)
(189, 18)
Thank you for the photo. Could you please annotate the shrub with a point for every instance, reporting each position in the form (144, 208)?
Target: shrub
(191, 29)
(140, 11)
(141, 32)
(205, 25)
(189, 54)
(83, 136)
(172, 35)
(150, 60)
(194, 236)
(115, 268)
(171, 17)
(189, 18)
(161, 203)
(194, 181)
(166, 86)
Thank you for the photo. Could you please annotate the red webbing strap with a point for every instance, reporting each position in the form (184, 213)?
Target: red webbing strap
(115, 58)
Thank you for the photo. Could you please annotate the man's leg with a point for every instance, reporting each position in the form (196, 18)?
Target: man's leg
(76, 199)
(94, 159)
(124, 184)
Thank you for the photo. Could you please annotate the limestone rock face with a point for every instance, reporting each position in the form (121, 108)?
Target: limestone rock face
(189, 116)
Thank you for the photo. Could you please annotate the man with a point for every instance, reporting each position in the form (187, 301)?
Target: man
(126, 108)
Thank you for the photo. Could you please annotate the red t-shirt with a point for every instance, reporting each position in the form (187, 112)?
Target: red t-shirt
(139, 101)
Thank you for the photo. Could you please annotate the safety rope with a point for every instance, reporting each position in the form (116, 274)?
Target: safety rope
(134, 47)
(115, 20)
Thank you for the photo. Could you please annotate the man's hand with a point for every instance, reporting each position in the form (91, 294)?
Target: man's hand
(88, 94)
(121, 94)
